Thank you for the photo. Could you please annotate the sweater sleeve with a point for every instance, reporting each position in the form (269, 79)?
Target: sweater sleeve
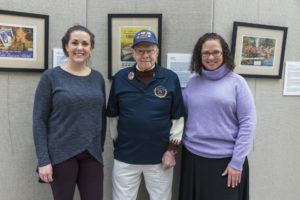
(177, 130)
(103, 131)
(41, 111)
(112, 125)
(176, 134)
(246, 115)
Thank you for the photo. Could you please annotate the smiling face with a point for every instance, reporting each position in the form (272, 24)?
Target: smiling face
(212, 54)
(145, 55)
(79, 47)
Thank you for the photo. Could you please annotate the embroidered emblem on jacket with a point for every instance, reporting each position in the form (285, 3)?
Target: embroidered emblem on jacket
(160, 91)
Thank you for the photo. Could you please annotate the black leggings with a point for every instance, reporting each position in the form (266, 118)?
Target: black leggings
(83, 170)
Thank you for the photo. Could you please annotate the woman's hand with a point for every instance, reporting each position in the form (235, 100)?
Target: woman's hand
(168, 160)
(234, 176)
(46, 173)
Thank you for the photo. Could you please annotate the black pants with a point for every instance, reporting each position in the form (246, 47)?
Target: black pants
(201, 179)
(83, 170)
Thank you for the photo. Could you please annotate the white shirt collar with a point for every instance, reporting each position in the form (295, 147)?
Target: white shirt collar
(137, 67)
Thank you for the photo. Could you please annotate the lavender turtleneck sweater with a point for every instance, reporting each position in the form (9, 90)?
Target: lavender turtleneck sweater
(221, 116)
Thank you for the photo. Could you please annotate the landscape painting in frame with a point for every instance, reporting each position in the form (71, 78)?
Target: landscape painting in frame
(258, 49)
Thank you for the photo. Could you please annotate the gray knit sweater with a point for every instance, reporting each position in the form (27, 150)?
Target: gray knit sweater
(68, 116)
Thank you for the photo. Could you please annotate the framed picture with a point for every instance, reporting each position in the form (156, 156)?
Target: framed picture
(258, 49)
(23, 41)
(121, 30)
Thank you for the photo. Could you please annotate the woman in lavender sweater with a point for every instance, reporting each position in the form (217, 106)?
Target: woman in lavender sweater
(220, 126)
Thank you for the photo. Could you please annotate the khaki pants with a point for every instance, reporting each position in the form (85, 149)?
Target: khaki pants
(126, 179)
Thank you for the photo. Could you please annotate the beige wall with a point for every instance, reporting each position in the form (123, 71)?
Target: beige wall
(275, 167)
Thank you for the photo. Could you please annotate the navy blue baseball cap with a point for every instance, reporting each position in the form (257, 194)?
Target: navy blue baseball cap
(144, 36)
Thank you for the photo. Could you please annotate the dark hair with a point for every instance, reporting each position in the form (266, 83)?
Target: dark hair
(196, 63)
(65, 39)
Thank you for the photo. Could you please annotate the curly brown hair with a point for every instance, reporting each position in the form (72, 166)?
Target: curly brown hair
(196, 63)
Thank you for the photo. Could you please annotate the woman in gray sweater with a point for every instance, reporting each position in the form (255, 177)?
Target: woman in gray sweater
(69, 122)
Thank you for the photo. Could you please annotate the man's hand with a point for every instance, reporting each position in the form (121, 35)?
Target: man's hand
(168, 160)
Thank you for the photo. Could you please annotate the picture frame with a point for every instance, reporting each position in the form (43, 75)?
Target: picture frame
(258, 49)
(23, 41)
(121, 30)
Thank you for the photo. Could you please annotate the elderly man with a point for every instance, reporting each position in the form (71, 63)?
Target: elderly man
(145, 112)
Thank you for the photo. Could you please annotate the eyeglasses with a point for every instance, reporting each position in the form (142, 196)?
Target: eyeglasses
(141, 52)
(215, 54)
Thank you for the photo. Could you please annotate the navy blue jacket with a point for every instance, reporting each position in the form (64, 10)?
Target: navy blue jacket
(145, 114)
